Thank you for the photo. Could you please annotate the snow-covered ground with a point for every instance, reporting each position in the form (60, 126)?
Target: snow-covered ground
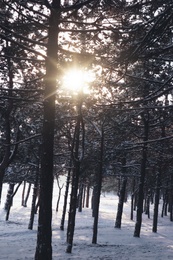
(18, 243)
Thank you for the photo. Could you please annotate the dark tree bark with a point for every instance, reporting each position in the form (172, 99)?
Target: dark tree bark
(93, 200)
(135, 200)
(34, 197)
(132, 199)
(142, 180)
(84, 196)
(72, 210)
(156, 202)
(76, 172)
(165, 203)
(98, 191)
(87, 195)
(44, 234)
(2, 172)
(59, 194)
(27, 195)
(23, 193)
(122, 192)
(10, 202)
(38, 201)
(171, 199)
(147, 204)
(65, 198)
(9, 194)
(121, 203)
(81, 191)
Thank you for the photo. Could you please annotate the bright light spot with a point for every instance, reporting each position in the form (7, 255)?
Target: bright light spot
(78, 81)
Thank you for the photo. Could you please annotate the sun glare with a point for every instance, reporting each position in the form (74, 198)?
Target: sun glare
(76, 81)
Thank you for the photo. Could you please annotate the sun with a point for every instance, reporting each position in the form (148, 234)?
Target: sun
(77, 80)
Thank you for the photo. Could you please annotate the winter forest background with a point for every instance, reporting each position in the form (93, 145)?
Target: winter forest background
(86, 96)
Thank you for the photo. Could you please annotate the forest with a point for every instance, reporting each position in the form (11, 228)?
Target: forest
(86, 93)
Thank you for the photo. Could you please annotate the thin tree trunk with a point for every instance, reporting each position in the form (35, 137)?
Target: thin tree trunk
(142, 181)
(98, 192)
(11, 199)
(23, 193)
(84, 196)
(34, 197)
(147, 205)
(79, 129)
(121, 203)
(9, 194)
(166, 206)
(27, 195)
(132, 199)
(38, 201)
(2, 172)
(87, 195)
(93, 200)
(81, 190)
(132, 205)
(171, 201)
(156, 203)
(59, 194)
(135, 201)
(65, 198)
(163, 207)
(72, 210)
(122, 192)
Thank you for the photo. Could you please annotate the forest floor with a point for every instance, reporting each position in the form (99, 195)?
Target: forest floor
(19, 243)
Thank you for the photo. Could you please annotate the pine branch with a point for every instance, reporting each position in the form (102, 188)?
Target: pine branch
(21, 58)
(23, 141)
(22, 45)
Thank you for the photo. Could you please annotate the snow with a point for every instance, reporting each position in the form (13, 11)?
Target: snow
(19, 243)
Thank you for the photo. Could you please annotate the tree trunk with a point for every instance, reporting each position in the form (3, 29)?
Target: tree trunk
(9, 194)
(156, 203)
(147, 205)
(98, 192)
(27, 195)
(163, 206)
(11, 199)
(34, 197)
(2, 172)
(44, 234)
(135, 201)
(142, 181)
(94, 200)
(132, 199)
(23, 193)
(87, 195)
(38, 201)
(132, 205)
(65, 198)
(165, 203)
(122, 191)
(170, 208)
(84, 196)
(72, 211)
(121, 203)
(59, 194)
(77, 158)
(81, 190)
